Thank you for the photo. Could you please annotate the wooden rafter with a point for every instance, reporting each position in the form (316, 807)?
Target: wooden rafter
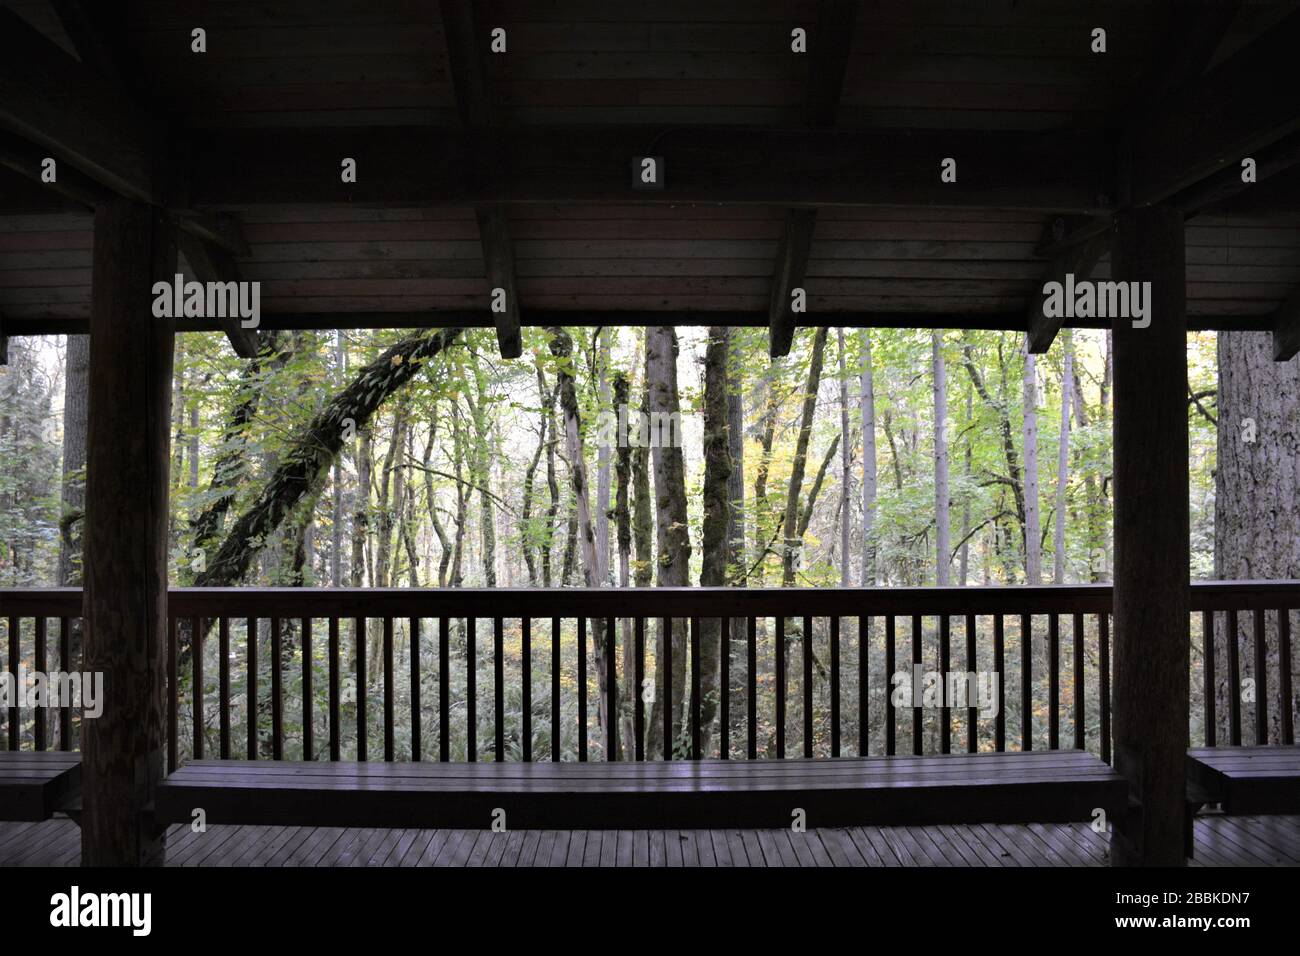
(1077, 260)
(1286, 328)
(211, 263)
(469, 80)
(829, 58)
(1244, 104)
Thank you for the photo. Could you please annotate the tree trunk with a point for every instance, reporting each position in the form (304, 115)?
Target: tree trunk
(77, 365)
(942, 519)
(593, 560)
(793, 542)
(312, 450)
(714, 543)
(1033, 533)
(1063, 459)
(623, 517)
(845, 461)
(1256, 509)
(867, 398)
(671, 519)
(602, 351)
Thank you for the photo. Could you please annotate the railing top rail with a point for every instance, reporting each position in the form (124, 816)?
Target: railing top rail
(651, 602)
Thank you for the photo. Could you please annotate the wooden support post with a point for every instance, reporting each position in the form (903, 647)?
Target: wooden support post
(125, 562)
(1152, 588)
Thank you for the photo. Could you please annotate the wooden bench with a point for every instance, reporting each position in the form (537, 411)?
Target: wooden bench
(36, 784)
(1245, 779)
(1049, 786)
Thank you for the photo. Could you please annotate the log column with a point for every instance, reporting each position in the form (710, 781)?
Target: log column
(125, 562)
(1152, 586)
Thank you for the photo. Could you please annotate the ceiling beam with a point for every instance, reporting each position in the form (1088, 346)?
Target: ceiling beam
(1286, 328)
(829, 58)
(65, 107)
(1241, 106)
(1227, 183)
(1049, 172)
(210, 263)
(1005, 321)
(465, 44)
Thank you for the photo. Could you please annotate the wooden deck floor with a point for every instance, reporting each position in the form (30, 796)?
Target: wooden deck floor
(1220, 841)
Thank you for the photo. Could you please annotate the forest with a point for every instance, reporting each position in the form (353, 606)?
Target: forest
(627, 457)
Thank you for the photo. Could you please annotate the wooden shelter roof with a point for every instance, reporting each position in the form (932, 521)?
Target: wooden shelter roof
(819, 170)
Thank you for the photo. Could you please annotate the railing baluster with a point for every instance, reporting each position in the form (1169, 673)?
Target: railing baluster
(695, 688)
(471, 689)
(444, 691)
(1207, 641)
(196, 659)
(251, 656)
(526, 689)
(611, 688)
(1284, 677)
(780, 686)
(667, 689)
(413, 636)
(807, 687)
(499, 688)
(1261, 679)
(389, 743)
(1234, 681)
(582, 688)
(945, 665)
(277, 690)
(557, 732)
(308, 737)
(173, 695)
(1026, 682)
(835, 684)
(890, 665)
(336, 743)
(362, 646)
(864, 696)
(1103, 679)
(13, 669)
(751, 702)
(917, 728)
(999, 667)
(638, 688)
(41, 668)
(724, 700)
(1053, 682)
(65, 664)
(1080, 737)
(223, 685)
(972, 666)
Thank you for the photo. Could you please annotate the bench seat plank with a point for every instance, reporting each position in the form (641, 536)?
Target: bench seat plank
(1247, 780)
(1057, 786)
(35, 784)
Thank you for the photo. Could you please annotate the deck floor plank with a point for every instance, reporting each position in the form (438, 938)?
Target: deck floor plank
(1220, 841)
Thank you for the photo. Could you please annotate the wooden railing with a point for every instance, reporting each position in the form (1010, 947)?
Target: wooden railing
(809, 701)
